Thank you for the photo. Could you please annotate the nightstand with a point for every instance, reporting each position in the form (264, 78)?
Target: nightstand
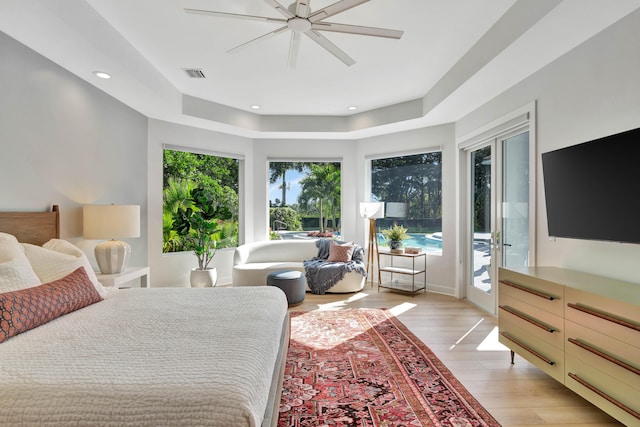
(128, 275)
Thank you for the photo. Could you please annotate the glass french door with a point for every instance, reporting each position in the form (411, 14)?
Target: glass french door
(498, 221)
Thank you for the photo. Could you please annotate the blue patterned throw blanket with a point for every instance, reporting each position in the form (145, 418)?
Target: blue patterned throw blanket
(322, 275)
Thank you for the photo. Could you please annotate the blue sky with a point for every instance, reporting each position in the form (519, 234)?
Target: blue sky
(293, 181)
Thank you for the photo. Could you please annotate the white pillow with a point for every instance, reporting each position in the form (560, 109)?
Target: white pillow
(57, 259)
(15, 271)
(9, 247)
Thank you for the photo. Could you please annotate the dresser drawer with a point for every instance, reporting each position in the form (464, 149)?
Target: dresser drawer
(533, 321)
(613, 396)
(538, 293)
(615, 319)
(615, 358)
(536, 349)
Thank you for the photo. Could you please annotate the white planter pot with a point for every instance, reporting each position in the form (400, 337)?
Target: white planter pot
(203, 278)
(396, 246)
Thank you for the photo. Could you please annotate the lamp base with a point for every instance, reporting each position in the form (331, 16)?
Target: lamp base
(112, 256)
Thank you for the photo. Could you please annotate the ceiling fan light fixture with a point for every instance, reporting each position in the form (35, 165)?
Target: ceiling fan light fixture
(299, 25)
(299, 19)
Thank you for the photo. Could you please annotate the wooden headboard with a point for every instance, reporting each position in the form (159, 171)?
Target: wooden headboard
(32, 227)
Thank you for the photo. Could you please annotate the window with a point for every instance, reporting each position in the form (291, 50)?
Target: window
(304, 198)
(411, 187)
(203, 184)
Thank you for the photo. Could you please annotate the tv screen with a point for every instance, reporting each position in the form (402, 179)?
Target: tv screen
(592, 190)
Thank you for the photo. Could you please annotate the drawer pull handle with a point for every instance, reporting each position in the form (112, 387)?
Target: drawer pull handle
(604, 395)
(605, 316)
(605, 356)
(525, 289)
(529, 349)
(527, 318)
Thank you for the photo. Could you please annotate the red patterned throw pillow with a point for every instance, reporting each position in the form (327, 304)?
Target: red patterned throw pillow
(29, 308)
(340, 252)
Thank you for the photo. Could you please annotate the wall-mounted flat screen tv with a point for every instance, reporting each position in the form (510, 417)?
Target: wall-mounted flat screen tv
(592, 190)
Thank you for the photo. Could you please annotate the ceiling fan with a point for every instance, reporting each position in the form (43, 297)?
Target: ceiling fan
(299, 18)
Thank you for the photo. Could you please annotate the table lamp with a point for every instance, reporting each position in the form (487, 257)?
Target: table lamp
(111, 222)
(372, 211)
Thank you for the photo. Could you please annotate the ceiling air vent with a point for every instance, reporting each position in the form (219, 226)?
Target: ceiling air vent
(194, 73)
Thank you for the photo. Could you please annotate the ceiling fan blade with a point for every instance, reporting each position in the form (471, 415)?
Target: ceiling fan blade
(294, 48)
(257, 39)
(334, 9)
(302, 8)
(330, 47)
(356, 29)
(234, 15)
(280, 8)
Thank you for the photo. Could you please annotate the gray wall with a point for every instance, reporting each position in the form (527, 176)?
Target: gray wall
(64, 142)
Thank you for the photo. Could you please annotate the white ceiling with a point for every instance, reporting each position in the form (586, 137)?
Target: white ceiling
(453, 57)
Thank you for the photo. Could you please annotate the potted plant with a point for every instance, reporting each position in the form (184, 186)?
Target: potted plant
(199, 223)
(395, 235)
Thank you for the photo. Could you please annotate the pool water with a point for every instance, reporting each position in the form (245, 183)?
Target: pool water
(428, 242)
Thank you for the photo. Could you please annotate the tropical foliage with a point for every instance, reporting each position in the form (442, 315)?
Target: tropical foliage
(200, 204)
(415, 180)
(320, 194)
(285, 218)
(481, 181)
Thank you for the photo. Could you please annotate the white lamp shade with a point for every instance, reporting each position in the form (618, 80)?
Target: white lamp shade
(372, 210)
(396, 210)
(111, 221)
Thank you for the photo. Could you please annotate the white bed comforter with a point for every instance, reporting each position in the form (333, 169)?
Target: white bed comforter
(154, 357)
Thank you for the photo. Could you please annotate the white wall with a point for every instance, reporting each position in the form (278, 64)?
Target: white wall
(64, 142)
(591, 92)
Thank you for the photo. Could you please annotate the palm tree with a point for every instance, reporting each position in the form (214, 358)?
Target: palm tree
(322, 185)
(177, 195)
(279, 170)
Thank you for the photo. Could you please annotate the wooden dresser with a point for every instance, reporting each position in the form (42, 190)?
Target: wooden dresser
(581, 329)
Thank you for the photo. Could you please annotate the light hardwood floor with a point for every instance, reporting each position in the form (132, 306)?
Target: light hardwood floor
(465, 339)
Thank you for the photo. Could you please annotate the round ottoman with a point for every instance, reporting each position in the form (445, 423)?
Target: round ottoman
(291, 282)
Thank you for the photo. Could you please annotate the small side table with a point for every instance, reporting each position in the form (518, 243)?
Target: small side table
(128, 275)
(413, 270)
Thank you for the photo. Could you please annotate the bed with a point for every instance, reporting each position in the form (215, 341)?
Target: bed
(146, 356)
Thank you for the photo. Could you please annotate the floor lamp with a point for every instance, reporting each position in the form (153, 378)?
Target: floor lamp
(372, 211)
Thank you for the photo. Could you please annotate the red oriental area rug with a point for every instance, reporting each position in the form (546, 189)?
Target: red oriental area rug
(362, 367)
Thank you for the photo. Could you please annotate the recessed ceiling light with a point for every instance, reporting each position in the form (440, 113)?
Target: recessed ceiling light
(255, 107)
(102, 74)
(352, 108)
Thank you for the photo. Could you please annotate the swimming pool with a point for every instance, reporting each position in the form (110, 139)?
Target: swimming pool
(428, 242)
